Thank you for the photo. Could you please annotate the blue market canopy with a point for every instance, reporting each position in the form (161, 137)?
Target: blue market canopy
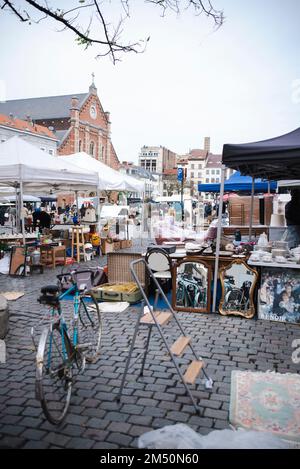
(274, 159)
(236, 182)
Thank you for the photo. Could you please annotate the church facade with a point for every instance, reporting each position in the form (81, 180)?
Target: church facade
(78, 121)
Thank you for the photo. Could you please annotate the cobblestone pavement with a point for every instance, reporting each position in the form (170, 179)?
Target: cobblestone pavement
(95, 419)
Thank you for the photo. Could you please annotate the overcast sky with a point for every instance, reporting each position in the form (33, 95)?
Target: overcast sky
(237, 84)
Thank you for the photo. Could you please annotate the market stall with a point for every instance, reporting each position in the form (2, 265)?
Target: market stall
(108, 178)
(27, 169)
(273, 159)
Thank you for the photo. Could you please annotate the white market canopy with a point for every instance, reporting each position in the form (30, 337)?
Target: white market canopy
(26, 198)
(113, 211)
(109, 179)
(38, 171)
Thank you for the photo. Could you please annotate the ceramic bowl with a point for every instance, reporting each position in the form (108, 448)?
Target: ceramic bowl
(279, 252)
(267, 259)
(280, 259)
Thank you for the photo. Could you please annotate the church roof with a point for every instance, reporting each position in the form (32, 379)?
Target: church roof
(49, 107)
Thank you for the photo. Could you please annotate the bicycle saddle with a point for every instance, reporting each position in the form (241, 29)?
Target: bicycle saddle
(50, 289)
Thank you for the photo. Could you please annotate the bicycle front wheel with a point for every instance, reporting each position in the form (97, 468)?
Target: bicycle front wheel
(90, 326)
(53, 374)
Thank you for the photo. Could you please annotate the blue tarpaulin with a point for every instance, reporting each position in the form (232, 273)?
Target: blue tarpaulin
(236, 182)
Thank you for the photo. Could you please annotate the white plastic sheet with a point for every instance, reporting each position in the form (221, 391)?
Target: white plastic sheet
(180, 436)
(4, 264)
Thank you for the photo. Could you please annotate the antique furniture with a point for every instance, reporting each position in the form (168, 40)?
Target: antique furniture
(78, 242)
(52, 255)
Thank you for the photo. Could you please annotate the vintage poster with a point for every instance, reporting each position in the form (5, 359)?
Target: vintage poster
(279, 295)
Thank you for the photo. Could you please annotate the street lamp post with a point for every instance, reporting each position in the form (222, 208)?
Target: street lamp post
(180, 178)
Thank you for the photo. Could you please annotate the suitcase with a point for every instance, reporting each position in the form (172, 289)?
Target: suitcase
(128, 292)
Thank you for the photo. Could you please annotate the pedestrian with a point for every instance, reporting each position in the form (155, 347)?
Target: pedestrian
(45, 219)
(82, 211)
(2, 215)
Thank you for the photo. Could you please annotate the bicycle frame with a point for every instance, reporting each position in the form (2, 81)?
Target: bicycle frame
(63, 325)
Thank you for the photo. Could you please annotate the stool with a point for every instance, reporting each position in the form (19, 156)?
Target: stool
(36, 267)
(77, 242)
(50, 255)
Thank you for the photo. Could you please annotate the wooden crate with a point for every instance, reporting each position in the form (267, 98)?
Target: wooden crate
(118, 266)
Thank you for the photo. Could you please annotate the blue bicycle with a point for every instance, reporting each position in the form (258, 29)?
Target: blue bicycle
(59, 357)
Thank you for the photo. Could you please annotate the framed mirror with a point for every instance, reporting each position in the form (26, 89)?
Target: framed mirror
(238, 284)
(17, 264)
(191, 286)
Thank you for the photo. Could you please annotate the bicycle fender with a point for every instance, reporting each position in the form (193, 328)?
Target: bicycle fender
(39, 362)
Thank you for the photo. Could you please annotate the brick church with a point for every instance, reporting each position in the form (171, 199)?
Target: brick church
(78, 121)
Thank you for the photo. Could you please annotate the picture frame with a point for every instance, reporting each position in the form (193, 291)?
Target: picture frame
(238, 282)
(191, 282)
(279, 295)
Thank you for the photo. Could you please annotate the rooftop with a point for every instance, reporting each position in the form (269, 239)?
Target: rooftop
(48, 107)
(26, 126)
(198, 154)
(213, 160)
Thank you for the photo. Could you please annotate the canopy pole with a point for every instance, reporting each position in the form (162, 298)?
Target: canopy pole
(77, 208)
(251, 209)
(142, 219)
(15, 220)
(22, 212)
(98, 210)
(218, 242)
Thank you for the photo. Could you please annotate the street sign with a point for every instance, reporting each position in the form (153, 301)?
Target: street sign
(180, 174)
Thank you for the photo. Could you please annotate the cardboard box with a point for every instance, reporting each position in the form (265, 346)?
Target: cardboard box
(106, 247)
(126, 243)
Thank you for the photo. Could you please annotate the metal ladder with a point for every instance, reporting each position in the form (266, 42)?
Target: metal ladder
(148, 316)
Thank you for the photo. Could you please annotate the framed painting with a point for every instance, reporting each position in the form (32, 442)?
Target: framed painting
(279, 295)
(238, 282)
(191, 286)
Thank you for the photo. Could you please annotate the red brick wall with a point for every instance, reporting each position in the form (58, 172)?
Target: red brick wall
(114, 161)
(68, 146)
(84, 114)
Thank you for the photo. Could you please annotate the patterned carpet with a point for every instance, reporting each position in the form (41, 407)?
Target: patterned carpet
(268, 402)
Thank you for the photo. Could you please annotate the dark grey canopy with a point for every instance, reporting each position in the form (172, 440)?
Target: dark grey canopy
(274, 159)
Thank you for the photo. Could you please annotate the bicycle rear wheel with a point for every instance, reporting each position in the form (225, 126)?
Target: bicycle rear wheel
(90, 326)
(53, 374)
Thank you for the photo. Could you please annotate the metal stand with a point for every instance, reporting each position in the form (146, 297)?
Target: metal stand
(154, 317)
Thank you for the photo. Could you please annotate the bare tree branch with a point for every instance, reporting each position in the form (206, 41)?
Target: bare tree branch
(108, 38)
(14, 10)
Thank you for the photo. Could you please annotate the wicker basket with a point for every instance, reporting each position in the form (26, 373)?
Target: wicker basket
(118, 264)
